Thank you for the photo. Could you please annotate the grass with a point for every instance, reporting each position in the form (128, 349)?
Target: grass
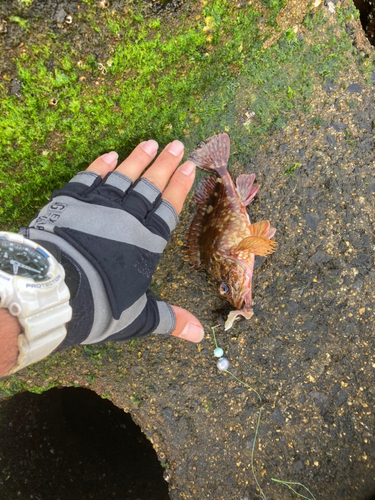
(183, 81)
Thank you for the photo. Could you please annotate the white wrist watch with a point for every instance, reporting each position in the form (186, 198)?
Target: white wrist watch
(33, 289)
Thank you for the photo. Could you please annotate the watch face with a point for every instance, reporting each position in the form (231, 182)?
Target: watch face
(19, 259)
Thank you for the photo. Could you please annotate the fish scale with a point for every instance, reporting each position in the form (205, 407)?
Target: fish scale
(221, 237)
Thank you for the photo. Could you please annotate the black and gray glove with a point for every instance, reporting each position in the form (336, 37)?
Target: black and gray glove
(109, 234)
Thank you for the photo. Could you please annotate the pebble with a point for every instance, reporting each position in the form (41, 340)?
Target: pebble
(354, 87)
(16, 87)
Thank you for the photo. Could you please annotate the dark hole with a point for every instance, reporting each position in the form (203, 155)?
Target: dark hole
(367, 15)
(70, 444)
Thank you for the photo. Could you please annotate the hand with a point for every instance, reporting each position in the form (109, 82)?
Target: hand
(114, 223)
(9, 331)
(181, 180)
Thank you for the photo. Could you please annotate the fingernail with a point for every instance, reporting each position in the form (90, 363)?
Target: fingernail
(110, 158)
(175, 147)
(150, 147)
(192, 332)
(187, 168)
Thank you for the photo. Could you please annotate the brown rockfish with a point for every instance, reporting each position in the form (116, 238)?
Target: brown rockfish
(221, 236)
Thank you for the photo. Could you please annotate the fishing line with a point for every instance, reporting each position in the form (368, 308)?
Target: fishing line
(287, 483)
(223, 365)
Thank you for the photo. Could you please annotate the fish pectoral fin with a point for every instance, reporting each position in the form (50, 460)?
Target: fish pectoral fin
(256, 245)
(262, 229)
(245, 187)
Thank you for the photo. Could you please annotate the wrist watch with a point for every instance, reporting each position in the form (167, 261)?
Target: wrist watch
(33, 289)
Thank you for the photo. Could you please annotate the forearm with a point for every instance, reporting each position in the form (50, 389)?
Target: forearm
(11, 350)
(9, 331)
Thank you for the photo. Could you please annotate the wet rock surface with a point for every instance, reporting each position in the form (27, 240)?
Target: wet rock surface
(308, 350)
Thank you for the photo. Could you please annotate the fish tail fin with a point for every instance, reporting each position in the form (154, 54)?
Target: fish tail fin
(212, 154)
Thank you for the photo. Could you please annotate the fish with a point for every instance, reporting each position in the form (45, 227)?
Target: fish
(221, 238)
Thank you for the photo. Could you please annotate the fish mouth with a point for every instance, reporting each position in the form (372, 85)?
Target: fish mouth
(233, 315)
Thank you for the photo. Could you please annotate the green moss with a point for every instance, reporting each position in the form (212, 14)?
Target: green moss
(23, 23)
(12, 385)
(274, 6)
(292, 168)
(91, 377)
(345, 14)
(153, 81)
(349, 138)
(187, 82)
(318, 122)
(134, 343)
(44, 388)
(271, 83)
(93, 352)
(136, 399)
(184, 81)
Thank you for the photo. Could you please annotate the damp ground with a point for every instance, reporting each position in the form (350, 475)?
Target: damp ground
(309, 349)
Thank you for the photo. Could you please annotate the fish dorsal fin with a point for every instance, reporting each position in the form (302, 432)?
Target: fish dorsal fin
(212, 154)
(262, 229)
(245, 187)
(202, 197)
(256, 245)
(204, 191)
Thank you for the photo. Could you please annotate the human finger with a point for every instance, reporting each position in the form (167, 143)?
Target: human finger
(104, 164)
(138, 159)
(180, 185)
(188, 327)
(165, 164)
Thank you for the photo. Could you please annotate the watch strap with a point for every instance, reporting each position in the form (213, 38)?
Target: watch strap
(42, 309)
(33, 348)
(44, 331)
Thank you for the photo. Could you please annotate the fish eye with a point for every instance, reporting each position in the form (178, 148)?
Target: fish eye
(224, 288)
